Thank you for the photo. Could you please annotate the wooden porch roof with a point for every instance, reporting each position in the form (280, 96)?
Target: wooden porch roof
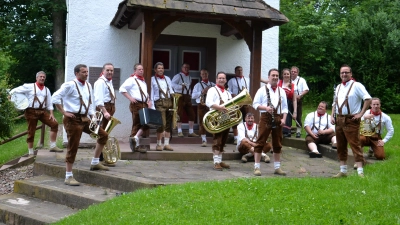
(200, 11)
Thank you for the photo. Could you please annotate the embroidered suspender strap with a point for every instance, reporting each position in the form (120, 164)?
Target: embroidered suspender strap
(141, 92)
(186, 88)
(237, 82)
(346, 100)
(220, 98)
(111, 94)
(298, 93)
(81, 99)
(35, 98)
(160, 91)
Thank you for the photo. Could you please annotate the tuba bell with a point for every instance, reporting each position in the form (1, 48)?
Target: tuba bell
(111, 151)
(215, 121)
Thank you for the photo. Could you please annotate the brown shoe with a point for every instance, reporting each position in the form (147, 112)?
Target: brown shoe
(361, 175)
(159, 148)
(98, 166)
(217, 166)
(355, 166)
(71, 181)
(193, 135)
(339, 175)
(204, 144)
(257, 172)
(142, 149)
(224, 165)
(244, 159)
(279, 171)
(108, 164)
(180, 134)
(56, 149)
(167, 148)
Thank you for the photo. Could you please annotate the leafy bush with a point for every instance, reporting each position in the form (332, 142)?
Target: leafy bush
(7, 112)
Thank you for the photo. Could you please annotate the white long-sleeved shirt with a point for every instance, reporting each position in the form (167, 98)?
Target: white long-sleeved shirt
(198, 88)
(250, 133)
(101, 90)
(68, 96)
(155, 90)
(132, 88)
(233, 84)
(177, 83)
(213, 97)
(300, 85)
(324, 122)
(260, 99)
(386, 122)
(355, 97)
(29, 91)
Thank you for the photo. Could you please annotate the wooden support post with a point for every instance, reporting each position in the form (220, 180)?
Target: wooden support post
(255, 60)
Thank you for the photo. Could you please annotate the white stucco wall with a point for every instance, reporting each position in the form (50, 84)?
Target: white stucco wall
(91, 40)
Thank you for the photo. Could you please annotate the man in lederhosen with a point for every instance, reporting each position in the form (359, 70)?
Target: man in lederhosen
(74, 100)
(39, 98)
(161, 90)
(301, 89)
(217, 96)
(271, 101)
(347, 106)
(200, 94)
(181, 84)
(135, 90)
(236, 85)
(319, 130)
(247, 135)
(104, 97)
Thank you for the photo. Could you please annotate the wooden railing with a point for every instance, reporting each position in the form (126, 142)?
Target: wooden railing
(41, 141)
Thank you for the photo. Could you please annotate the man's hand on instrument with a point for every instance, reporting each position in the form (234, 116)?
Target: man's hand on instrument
(221, 108)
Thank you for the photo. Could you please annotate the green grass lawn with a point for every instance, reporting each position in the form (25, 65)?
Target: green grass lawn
(352, 200)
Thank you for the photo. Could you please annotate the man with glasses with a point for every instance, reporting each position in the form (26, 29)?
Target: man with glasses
(301, 89)
(348, 98)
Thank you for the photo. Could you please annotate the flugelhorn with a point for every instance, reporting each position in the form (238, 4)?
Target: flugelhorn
(215, 121)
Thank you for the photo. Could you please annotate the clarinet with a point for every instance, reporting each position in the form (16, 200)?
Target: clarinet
(272, 114)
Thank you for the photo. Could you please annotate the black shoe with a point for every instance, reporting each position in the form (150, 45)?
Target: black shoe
(315, 155)
(298, 135)
(287, 135)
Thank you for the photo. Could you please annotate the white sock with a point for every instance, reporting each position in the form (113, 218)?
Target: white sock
(203, 137)
(95, 161)
(343, 168)
(220, 157)
(30, 150)
(68, 174)
(235, 137)
(216, 158)
(257, 165)
(298, 129)
(277, 165)
(179, 130)
(360, 170)
(166, 141)
(190, 131)
(137, 140)
(158, 142)
(52, 144)
(263, 154)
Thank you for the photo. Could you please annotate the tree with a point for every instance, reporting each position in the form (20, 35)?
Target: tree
(26, 29)
(7, 112)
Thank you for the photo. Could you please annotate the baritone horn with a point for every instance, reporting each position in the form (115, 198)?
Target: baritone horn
(215, 121)
(175, 116)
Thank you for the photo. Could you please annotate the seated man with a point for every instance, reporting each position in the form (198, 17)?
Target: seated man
(375, 141)
(319, 130)
(247, 135)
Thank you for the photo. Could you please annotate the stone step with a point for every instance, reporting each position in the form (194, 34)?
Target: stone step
(106, 179)
(54, 190)
(20, 209)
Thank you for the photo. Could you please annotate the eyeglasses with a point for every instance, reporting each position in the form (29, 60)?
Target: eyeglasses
(345, 73)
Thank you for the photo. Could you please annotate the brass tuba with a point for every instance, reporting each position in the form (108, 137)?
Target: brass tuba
(367, 127)
(175, 116)
(215, 121)
(111, 151)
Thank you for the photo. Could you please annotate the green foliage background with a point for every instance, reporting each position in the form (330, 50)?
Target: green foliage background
(323, 35)
(7, 112)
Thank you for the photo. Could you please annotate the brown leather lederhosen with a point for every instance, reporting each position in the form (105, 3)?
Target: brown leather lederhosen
(164, 105)
(32, 115)
(134, 108)
(348, 132)
(219, 139)
(265, 128)
(78, 124)
(185, 103)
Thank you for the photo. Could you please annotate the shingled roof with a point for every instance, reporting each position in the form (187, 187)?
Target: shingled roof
(202, 11)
